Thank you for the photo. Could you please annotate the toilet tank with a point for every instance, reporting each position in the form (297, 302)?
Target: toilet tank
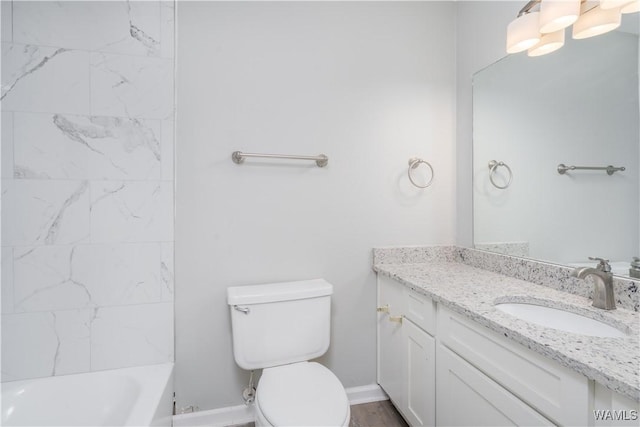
(279, 323)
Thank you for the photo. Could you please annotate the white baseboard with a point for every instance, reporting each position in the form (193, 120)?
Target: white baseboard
(242, 414)
(231, 415)
(365, 394)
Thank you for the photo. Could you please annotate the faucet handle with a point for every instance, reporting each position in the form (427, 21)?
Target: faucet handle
(603, 264)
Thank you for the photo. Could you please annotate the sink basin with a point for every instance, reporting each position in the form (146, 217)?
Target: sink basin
(560, 319)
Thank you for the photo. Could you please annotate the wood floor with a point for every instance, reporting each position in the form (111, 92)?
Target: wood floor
(374, 414)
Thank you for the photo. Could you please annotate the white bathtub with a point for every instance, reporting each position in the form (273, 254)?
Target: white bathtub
(141, 396)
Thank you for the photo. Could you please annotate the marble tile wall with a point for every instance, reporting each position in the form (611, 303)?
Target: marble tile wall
(87, 186)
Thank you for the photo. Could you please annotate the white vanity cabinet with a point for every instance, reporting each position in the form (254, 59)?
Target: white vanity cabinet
(406, 351)
(442, 368)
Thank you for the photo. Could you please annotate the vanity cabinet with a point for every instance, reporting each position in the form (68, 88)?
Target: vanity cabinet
(442, 368)
(406, 351)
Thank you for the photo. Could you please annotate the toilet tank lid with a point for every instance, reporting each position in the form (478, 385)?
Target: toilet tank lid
(285, 291)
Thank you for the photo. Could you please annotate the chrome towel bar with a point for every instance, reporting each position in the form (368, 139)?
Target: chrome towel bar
(321, 160)
(562, 168)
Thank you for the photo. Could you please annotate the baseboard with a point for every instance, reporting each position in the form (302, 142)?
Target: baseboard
(233, 415)
(365, 394)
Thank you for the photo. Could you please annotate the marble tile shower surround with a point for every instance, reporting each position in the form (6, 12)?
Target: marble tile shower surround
(87, 186)
(551, 275)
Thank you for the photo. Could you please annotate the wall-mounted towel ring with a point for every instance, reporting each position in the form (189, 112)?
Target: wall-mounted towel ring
(493, 165)
(414, 162)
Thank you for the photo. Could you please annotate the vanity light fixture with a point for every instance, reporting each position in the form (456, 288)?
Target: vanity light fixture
(558, 14)
(596, 21)
(548, 43)
(540, 24)
(522, 32)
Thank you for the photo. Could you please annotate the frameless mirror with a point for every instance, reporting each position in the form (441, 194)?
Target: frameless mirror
(578, 107)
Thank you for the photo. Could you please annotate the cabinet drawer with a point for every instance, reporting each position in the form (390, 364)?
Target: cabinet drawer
(421, 310)
(391, 297)
(558, 392)
(467, 397)
(398, 300)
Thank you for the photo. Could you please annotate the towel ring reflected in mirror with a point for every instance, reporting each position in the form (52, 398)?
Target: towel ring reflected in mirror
(414, 162)
(493, 165)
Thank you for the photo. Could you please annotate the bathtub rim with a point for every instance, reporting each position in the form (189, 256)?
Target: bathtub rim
(153, 404)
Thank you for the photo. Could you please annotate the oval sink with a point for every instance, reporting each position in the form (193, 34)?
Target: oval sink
(560, 319)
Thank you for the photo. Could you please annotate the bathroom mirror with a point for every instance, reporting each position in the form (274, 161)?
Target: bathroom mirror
(577, 106)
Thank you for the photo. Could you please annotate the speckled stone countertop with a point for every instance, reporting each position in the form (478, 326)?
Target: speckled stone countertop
(472, 292)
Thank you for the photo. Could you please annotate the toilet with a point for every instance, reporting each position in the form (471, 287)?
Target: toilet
(280, 327)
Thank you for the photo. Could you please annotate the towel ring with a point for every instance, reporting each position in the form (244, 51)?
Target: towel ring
(493, 165)
(414, 162)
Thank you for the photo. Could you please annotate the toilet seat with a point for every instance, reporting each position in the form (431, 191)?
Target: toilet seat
(302, 394)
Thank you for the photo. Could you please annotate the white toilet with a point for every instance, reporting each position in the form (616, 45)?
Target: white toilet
(279, 327)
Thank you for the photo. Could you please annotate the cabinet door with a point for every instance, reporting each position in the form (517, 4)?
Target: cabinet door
(467, 397)
(390, 356)
(419, 408)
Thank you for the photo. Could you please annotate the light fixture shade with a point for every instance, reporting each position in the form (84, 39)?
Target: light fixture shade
(548, 43)
(595, 22)
(522, 33)
(612, 4)
(558, 14)
(632, 7)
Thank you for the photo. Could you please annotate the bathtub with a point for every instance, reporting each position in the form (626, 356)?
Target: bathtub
(140, 396)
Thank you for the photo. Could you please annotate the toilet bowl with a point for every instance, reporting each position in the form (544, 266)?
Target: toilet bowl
(279, 328)
(301, 394)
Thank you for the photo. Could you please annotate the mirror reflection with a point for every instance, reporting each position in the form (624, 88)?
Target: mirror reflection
(575, 107)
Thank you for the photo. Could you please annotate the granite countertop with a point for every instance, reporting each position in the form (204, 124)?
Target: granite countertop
(472, 292)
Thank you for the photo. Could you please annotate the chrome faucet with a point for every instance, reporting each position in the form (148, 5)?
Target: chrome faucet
(603, 283)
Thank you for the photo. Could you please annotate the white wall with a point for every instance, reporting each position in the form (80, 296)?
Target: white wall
(87, 186)
(368, 84)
